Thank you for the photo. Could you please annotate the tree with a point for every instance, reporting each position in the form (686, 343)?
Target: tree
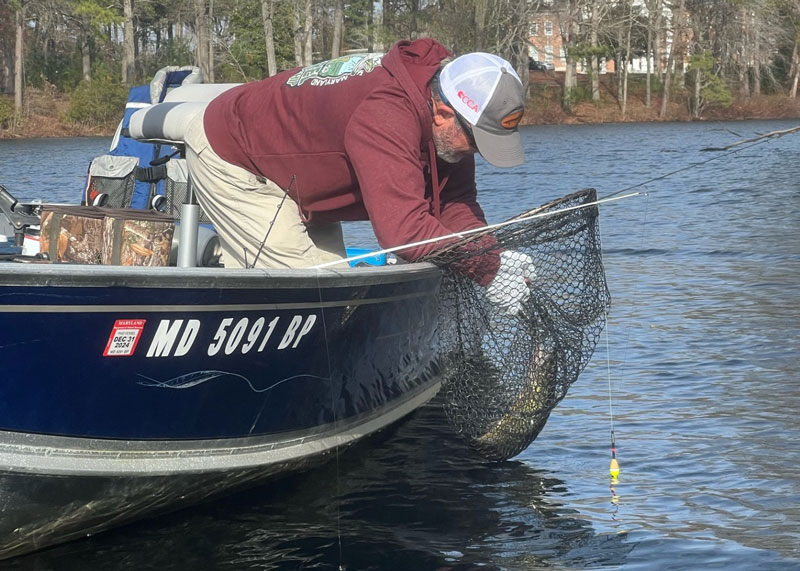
(203, 38)
(625, 61)
(89, 17)
(569, 16)
(338, 23)
(128, 62)
(707, 87)
(653, 51)
(596, 12)
(268, 15)
(675, 49)
(19, 51)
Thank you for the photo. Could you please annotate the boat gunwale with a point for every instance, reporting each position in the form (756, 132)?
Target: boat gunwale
(79, 275)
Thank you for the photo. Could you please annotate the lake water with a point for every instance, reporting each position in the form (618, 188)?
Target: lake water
(703, 342)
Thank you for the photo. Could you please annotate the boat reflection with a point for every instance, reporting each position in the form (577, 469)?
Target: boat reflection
(422, 500)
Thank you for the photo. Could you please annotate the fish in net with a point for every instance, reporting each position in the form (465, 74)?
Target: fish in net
(510, 351)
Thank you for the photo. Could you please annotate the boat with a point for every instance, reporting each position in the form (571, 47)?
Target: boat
(158, 379)
(131, 390)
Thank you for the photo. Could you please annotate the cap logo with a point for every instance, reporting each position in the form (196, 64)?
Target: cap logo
(511, 120)
(468, 101)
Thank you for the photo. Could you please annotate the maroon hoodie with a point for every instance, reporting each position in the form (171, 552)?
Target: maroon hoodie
(354, 134)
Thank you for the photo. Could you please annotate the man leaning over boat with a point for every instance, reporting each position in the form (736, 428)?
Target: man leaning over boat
(278, 164)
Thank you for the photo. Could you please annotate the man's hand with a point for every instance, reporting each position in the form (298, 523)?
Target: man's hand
(510, 289)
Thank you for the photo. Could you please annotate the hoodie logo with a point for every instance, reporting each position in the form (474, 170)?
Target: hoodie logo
(335, 70)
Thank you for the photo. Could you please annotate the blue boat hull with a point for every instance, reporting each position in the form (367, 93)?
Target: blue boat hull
(176, 384)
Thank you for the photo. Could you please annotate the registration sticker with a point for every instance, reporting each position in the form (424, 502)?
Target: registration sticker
(124, 337)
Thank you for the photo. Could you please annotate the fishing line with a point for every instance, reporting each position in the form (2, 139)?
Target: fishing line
(271, 224)
(689, 166)
(335, 424)
(614, 469)
(614, 465)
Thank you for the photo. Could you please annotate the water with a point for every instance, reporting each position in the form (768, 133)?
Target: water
(703, 340)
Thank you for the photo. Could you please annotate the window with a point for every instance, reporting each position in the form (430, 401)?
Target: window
(548, 54)
(548, 28)
(534, 31)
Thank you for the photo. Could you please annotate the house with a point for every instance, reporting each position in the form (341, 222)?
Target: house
(546, 43)
(545, 39)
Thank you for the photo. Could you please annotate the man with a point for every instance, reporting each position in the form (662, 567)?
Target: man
(278, 164)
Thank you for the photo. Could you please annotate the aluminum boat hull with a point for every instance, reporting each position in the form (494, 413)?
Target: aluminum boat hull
(130, 390)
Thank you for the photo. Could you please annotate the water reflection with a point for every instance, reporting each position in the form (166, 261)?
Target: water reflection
(420, 500)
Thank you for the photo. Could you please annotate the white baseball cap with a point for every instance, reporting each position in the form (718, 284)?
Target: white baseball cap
(487, 93)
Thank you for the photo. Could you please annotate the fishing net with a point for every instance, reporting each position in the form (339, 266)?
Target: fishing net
(512, 346)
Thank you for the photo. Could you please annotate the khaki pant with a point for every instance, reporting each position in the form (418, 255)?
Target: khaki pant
(242, 208)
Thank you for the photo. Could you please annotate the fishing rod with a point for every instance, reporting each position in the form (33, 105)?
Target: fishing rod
(465, 233)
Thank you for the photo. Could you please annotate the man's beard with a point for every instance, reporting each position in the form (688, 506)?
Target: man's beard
(445, 142)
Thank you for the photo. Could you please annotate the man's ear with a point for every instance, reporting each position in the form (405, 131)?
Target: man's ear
(441, 112)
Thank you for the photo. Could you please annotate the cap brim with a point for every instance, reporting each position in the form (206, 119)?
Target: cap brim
(500, 150)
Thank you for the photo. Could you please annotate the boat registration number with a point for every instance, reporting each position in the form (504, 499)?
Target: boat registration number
(178, 337)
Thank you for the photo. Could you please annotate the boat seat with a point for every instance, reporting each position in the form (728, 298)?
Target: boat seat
(166, 122)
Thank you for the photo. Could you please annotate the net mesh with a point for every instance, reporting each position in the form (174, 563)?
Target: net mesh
(513, 346)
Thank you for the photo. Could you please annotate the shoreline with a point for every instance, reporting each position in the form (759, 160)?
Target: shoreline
(47, 120)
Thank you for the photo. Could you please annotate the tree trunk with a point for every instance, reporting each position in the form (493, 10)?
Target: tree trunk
(698, 77)
(308, 32)
(756, 59)
(86, 57)
(744, 65)
(648, 55)
(8, 65)
(338, 24)
(377, 36)
(620, 64)
(481, 6)
(19, 54)
(128, 63)
(297, 33)
(657, 58)
(210, 38)
(653, 53)
(594, 61)
(267, 14)
(796, 65)
(673, 50)
(569, 39)
(627, 61)
(201, 32)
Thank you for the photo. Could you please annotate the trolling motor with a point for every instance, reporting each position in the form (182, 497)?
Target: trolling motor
(19, 215)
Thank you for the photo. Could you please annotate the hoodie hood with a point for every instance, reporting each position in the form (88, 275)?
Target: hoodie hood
(413, 64)
(422, 59)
